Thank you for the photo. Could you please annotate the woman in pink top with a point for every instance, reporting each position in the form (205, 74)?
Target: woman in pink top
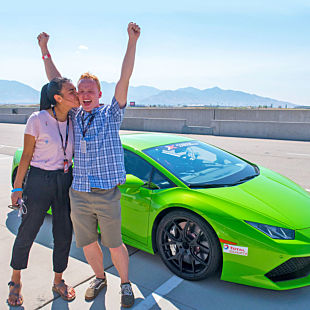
(48, 149)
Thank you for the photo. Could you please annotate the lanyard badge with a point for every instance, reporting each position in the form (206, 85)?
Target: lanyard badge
(66, 162)
(66, 165)
(83, 146)
(84, 129)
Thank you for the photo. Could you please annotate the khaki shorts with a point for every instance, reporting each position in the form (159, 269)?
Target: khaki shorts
(100, 206)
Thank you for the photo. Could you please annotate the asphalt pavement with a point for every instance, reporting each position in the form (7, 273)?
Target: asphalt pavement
(155, 287)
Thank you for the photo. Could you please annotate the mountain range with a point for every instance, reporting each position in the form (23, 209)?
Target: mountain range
(17, 93)
(13, 92)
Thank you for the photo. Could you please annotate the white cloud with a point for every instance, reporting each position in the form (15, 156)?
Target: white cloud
(83, 47)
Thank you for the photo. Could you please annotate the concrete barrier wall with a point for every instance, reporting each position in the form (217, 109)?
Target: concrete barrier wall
(154, 124)
(17, 110)
(6, 111)
(276, 115)
(259, 123)
(14, 118)
(193, 116)
(256, 123)
(259, 129)
(204, 116)
(27, 111)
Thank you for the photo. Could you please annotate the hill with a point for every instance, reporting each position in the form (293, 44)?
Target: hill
(211, 97)
(13, 92)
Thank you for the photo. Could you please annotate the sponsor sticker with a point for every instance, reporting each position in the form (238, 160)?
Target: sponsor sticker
(171, 147)
(237, 250)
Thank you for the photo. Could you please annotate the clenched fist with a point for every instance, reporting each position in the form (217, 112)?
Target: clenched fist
(43, 39)
(133, 31)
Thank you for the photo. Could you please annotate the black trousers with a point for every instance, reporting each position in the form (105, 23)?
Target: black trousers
(43, 189)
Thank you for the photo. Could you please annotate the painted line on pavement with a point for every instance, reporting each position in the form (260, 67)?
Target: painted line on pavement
(13, 147)
(159, 294)
(5, 157)
(299, 154)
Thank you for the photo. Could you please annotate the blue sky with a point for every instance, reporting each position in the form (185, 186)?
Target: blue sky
(260, 47)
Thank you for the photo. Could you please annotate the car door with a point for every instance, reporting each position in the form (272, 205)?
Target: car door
(136, 201)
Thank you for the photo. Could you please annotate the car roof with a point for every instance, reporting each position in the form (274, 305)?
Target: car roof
(141, 141)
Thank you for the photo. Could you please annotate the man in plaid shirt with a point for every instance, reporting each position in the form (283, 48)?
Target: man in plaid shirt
(98, 169)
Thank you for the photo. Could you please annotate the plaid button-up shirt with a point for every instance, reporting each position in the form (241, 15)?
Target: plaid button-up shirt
(102, 165)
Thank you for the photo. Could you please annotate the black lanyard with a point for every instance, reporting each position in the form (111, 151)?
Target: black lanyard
(91, 118)
(67, 132)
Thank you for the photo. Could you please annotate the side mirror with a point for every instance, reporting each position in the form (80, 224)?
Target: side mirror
(132, 182)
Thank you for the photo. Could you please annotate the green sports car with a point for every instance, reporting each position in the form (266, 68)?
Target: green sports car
(203, 209)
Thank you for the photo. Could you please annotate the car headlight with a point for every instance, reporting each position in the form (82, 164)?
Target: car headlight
(274, 232)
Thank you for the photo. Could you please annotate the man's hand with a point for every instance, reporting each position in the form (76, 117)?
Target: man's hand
(121, 88)
(133, 31)
(43, 39)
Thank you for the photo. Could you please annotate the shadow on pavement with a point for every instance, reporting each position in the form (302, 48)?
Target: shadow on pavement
(45, 236)
(224, 295)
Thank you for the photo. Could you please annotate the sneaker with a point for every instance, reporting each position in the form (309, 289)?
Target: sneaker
(95, 286)
(127, 299)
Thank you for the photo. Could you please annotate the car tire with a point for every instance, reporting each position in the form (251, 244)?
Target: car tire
(188, 245)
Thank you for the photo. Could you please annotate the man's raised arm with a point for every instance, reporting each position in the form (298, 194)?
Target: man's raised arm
(50, 68)
(121, 88)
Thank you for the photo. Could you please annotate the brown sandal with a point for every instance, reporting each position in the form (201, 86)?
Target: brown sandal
(18, 298)
(64, 294)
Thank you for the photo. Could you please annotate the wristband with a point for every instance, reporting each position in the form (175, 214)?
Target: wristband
(46, 56)
(16, 190)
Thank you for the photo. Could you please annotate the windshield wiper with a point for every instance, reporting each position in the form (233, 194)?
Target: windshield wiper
(204, 185)
(246, 178)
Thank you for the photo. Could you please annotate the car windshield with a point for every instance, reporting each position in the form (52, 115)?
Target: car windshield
(198, 164)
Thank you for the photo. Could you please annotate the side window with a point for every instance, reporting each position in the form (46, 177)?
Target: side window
(160, 180)
(137, 166)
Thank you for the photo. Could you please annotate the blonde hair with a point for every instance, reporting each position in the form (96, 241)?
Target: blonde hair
(89, 76)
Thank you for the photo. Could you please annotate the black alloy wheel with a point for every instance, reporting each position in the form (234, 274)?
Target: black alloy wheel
(188, 245)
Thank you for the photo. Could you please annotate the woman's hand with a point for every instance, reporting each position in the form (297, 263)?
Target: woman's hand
(15, 196)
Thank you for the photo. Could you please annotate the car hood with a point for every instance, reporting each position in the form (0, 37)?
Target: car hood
(269, 197)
